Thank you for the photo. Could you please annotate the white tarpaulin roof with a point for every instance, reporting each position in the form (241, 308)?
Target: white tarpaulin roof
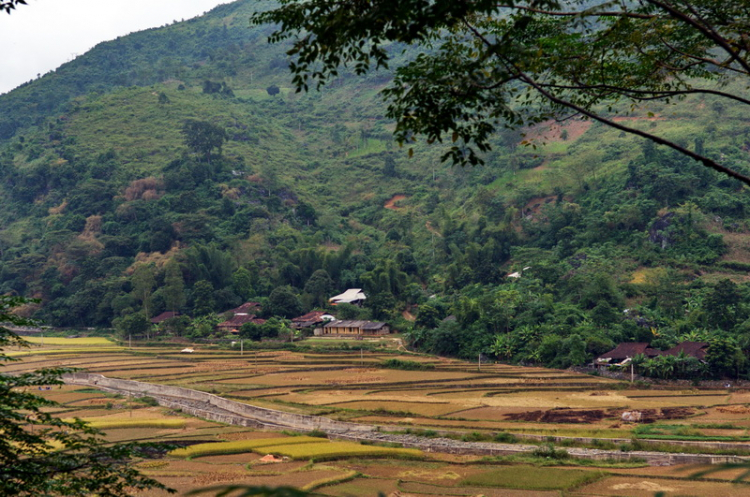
(351, 295)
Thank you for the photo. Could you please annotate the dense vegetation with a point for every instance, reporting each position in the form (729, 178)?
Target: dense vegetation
(41, 454)
(174, 170)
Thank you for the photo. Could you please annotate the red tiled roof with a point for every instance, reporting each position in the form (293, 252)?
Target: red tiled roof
(310, 316)
(238, 320)
(693, 349)
(164, 316)
(246, 308)
(630, 349)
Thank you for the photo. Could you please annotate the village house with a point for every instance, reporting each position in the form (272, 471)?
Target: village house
(691, 349)
(312, 319)
(355, 329)
(246, 308)
(246, 313)
(163, 317)
(624, 352)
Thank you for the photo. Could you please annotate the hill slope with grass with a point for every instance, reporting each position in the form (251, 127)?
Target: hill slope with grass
(174, 170)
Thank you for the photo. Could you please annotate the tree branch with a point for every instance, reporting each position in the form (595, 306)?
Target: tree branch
(580, 13)
(703, 27)
(512, 68)
(655, 138)
(650, 95)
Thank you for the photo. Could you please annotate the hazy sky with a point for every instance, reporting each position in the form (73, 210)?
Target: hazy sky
(44, 34)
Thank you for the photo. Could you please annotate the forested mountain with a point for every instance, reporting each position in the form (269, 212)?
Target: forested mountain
(173, 169)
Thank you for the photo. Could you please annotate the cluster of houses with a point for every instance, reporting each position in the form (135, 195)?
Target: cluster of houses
(318, 323)
(624, 352)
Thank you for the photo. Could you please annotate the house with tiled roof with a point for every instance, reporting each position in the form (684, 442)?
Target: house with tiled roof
(311, 320)
(164, 316)
(625, 352)
(234, 324)
(691, 349)
(354, 329)
(246, 308)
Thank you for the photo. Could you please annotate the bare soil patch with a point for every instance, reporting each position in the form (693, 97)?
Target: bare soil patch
(244, 458)
(647, 487)
(620, 119)
(419, 408)
(392, 203)
(560, 416)
(734, 409)
(535, 205)
(588, 416)
(739, 246)
(552, 131)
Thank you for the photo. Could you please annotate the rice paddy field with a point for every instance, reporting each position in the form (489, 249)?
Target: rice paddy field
(443, 395)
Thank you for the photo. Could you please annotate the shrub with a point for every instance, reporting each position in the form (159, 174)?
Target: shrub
(474, 437)
(548, 451)
(406, 365)
(149, 401)
(504, 437)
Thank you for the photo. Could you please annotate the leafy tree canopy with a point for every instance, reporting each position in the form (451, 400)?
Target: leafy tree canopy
(486, 65)
(283, 302)
(203, 137)
(44, 455)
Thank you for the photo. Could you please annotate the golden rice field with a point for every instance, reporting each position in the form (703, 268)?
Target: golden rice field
(352, 386)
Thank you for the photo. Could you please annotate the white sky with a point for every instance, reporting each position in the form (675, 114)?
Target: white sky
(44, 34)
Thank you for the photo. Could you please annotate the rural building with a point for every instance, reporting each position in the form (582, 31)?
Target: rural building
(164, 316)
(312, 320)
(353, 329)
(246, 313)
(625, 351)
(246, 308)
(234, 324)
(691, 349)
(353, 296)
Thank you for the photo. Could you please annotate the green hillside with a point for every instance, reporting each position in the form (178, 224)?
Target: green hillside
(110, 215)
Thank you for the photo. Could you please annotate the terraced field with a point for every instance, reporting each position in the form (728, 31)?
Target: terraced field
(443, 395)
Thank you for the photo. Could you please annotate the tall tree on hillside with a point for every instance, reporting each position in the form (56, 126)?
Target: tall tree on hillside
(485, 65)
(174, 286)
(283, 302)
(319, 286)
(203, 298)
(722, 305)
(242, 281)
(203, 138)
(143, 284)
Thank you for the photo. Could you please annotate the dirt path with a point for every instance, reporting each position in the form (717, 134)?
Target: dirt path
(391, 204)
